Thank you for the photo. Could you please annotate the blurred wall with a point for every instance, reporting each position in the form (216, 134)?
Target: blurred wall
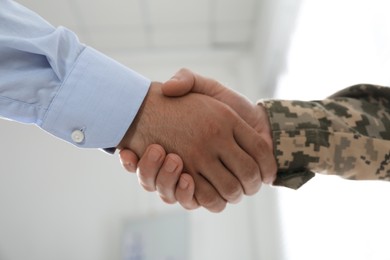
(60, 202)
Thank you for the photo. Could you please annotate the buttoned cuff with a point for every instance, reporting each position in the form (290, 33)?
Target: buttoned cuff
(97, 102)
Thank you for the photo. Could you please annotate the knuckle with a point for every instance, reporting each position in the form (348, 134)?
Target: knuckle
(207, 200)
(259, 146)
(262, 149)
(163, 183)
(249, 176)
(253, 189)
(233, 191)
(166, 193)
(218, 208)
(212, 202)
(216, 126)
(213, 129)
(251, 173)
(147, 187)
(167, 200)
(145, 174)
(189, 205)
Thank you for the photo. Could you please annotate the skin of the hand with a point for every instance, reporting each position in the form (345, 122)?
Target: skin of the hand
(162, 172)
(183, 82)
(186, 81)
(212, 140)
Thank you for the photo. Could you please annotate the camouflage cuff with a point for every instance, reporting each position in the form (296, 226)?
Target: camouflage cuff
(347, 134)
(297, 133)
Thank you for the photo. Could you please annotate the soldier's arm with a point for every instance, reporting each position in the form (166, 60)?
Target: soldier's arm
(347, 134)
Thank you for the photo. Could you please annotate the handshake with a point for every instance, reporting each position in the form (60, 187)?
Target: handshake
(199, 143)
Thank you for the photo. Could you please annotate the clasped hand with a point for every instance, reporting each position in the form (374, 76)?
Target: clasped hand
(199, 143)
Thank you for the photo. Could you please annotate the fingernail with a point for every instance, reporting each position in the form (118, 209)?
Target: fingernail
(170, 165)
(183, 184)
(131, 166)
(154, 155)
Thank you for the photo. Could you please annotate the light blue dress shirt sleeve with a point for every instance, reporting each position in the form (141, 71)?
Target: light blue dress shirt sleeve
(48, 78)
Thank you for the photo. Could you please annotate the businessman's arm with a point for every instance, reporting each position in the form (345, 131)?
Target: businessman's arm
(50, 79)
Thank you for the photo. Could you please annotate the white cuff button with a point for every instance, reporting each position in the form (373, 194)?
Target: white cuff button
(77, 136)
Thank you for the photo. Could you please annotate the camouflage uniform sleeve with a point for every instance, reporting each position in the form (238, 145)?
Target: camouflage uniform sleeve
(347, 134)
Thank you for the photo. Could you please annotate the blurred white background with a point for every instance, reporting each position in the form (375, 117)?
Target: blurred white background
(60, 202)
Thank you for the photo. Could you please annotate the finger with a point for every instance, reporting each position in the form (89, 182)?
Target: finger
(223, 180)
(185, 81)
(185, 192)
(168, 177)
(207, 196)
(149, 165)
(128, 159)
(266, 159)
(244, 167)
(252, 143)
(270, 168)
(179, 85)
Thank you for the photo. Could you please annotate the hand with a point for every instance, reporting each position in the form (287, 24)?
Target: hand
(209, 136)
(162, 173)
(183, 82)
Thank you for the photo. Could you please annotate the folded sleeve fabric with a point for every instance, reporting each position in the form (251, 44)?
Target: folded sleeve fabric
(347, 134)
(48, 78)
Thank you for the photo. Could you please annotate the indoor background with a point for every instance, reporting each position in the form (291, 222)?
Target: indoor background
(60, 202)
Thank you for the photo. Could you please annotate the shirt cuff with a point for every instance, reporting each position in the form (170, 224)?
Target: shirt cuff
(97, 102)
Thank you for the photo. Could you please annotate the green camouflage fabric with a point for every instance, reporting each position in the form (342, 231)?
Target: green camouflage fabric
(347, 134)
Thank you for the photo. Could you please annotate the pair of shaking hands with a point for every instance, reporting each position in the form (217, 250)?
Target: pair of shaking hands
(199, 143)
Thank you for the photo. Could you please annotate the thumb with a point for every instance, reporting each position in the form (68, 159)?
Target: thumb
(180, 84)
(185, 81)
(128, 159)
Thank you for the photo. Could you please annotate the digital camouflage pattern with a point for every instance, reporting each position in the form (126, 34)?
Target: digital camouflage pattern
(347, 134)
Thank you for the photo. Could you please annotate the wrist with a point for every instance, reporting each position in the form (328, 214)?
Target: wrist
(132, 136)
(265, 132)
(263, 126)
